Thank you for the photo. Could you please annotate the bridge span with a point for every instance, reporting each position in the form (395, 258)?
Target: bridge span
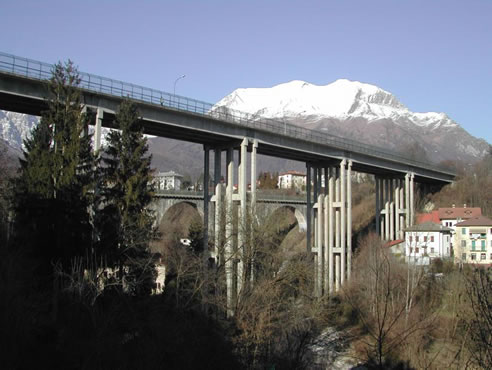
(329, 160)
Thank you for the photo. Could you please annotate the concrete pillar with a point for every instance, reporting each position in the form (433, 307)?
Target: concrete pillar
(315, 199)
(402, 206)
(392, 209)
(412, 198)
(242, 187)
(397, 208)
(253, 203)
(98, 129)
(407, 200)
(337, 272)
(228, 254)
(378, 205)
(331, 227)
(326, 180)
(343, 219)
(309, 207)
(349, 219)
(319, 245)
(381, 205)
(326, 230)
(386, 210)
(218, 222)
(337, 210)
(217, 166)
(206, 198)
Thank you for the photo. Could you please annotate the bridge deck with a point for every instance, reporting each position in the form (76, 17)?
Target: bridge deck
(23, 89)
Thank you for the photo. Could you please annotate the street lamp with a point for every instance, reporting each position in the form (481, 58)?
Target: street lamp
(175, 82)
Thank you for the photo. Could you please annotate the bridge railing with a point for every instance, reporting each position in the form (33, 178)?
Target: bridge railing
(42, 71)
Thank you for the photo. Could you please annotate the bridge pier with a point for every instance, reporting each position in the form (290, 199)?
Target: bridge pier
(236, 255)
(332, 214)
(394, 206)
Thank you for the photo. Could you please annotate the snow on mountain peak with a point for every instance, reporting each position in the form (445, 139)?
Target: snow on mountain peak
(340, 99)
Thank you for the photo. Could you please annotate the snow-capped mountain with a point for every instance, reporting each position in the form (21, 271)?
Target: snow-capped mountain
(15, 127)
(362, 112)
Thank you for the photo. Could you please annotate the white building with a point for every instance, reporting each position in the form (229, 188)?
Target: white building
(291, 180)
(424, 242)
(168, 181)
(473, 240)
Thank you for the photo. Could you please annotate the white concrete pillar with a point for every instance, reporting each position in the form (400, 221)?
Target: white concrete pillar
(392, 210)
(326, 240)
(378, 205)
(402, 206)
(242, 188)
(343, 219)
(331, 227)
(218, 223)
(349, 219)
(320, 245)
(228, 253)
(397, 208)
(407, 200)
(253, 204)
(386, 210)
(412, 198)
(337, 272)
(98, 129)
(337, 209)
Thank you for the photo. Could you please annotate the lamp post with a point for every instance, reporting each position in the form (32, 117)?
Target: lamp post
(175, 82)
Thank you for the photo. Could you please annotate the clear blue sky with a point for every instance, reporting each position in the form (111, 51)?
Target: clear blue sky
(433, 55)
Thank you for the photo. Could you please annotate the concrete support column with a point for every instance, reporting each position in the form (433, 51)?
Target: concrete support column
(218, 205)
(206, 198)
(228, 253)
(326, 242)
(392, 209)
(319, 246)
(349, 219)
(242, 187)
(386, 210)
(337, 210)
(402, 206)
(309, 207)
(98, 129)
(337, 272)
(407, 200)
(412, 198)
(343, 219)
(253, 204)
(397, 208)
(331, 227)
(378, 205)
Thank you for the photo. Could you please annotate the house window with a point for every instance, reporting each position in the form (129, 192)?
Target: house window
(473, 256)
(432, 238)
(417, 250)
(463, 243)
(463, 231)
(410, 238)
(491, 256)
(463, 256)
(483, 245)
(482, 256)
(473, 245)
(417, 238)
(411, 250)
(432, 249)
(425, 239)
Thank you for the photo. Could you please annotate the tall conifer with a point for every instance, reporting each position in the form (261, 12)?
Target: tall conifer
(127, 195)
(52, 191)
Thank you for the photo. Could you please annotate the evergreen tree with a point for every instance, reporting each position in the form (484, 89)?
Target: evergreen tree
(127, 194)
(51, 195)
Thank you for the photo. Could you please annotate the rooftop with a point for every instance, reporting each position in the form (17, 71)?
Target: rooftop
(459, 212)
(476, 221)
(428, 226)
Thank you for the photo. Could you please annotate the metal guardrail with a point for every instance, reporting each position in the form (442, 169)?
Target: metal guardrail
(43, 71)
(262, 196)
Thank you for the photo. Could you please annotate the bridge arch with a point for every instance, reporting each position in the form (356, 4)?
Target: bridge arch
(299, 213)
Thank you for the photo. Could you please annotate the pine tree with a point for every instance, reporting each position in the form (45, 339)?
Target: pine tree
(127, 193)
(51, 195)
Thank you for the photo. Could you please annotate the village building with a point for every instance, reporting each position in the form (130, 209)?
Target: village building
(292, 180)
(427, 241)
(449, 217)
(168, 181)
(473, 240)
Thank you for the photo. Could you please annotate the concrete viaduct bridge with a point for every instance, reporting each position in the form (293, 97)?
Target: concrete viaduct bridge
(233, 133)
